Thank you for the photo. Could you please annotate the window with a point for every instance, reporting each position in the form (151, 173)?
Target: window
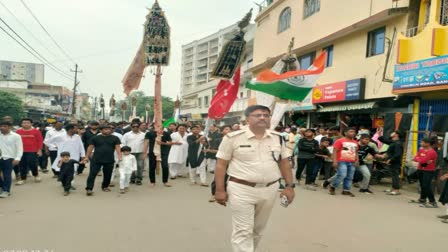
(310, 7)
(306, 60)
(375, 43)
(200, 102)
(241, 94)
(329, 50)
(284, 21)
(206, 101)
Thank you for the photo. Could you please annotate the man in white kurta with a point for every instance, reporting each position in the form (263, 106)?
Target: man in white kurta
(53, 138)
(178, 153)
(71, 143)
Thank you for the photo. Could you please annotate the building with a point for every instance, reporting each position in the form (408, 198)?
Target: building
(30, 72)
(361, 39)
(198, 87)
(421, 70)
(41, 101)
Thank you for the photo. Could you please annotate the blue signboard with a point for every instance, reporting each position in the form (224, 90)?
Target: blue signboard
(354, 90)
(419, 74)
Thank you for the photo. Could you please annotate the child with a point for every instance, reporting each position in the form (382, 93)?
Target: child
(67, 171)
(426, 159)
(323, 154)
(127, 165)
(444, 199)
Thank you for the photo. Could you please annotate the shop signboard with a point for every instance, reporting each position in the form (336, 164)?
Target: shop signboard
(421, 75)
(351, 90)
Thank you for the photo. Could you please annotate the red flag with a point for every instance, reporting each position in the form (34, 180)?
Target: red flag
(226, 94)
(134, 74)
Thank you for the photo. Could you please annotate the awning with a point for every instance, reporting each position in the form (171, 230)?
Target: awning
(356, 106)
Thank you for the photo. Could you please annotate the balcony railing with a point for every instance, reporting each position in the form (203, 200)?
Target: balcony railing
(263, 5)
(412, 32)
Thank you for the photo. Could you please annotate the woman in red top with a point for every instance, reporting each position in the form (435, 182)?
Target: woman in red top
(426, 159)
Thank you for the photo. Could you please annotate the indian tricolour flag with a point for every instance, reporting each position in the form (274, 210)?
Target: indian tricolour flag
(292, 85)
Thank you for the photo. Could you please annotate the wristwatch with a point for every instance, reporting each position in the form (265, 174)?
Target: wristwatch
(290, 185)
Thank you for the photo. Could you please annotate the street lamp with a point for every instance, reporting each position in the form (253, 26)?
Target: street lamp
(147, 109)
(102, 104)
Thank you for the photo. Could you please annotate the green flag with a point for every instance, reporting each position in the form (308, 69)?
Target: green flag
(168, 122)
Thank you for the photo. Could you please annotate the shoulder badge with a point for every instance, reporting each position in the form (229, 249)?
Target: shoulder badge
(236, 133)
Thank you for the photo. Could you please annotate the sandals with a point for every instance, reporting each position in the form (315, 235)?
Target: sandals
(417, 202)
(393, 193)
(429, 205)
(106, 190)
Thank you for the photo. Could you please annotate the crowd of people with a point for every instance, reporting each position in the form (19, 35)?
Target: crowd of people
(351, 157)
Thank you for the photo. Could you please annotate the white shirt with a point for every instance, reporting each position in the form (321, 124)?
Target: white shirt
(128, 164)
(73, 145)
(135, 141)
(11, 146)
(53, 138)
(178, 153)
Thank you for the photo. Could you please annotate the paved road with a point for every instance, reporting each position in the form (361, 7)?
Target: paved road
(180, 219)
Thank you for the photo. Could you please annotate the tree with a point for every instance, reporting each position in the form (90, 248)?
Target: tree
(142, 100)
(11, 105)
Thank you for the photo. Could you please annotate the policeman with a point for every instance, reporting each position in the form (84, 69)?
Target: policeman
(256, 158)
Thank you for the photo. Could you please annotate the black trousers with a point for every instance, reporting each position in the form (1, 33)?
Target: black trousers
(301, 164)
(43, 161)
(153, 165)
(329, 170)
(94, 169)
(66, 180)
(425, 178)
(28, 162)
(394, 170)
(53, 156)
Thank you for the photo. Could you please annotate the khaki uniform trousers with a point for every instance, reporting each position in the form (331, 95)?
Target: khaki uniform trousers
(251, 208)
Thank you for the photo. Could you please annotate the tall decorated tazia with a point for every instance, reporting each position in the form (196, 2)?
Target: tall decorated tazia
(154, 52)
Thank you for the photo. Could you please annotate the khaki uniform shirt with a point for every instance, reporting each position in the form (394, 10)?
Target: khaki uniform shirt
(252, 159)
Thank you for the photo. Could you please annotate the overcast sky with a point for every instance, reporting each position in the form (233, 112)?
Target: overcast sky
(102, 36)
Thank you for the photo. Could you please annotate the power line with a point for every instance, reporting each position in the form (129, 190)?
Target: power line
(45, 30)
(40, 55)
(29, 32)
(24, 47)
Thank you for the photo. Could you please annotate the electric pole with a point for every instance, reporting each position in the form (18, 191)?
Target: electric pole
(76, 71)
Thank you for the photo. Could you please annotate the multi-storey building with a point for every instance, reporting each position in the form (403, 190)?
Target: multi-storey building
(22, 71)
(198, 87)
(361, 39)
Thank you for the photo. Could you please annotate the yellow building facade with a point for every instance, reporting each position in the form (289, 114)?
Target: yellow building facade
(367, 38)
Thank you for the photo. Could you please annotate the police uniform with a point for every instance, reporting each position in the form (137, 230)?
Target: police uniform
(253, 182)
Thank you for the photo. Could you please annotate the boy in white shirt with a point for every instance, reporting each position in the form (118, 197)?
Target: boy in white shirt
(127, 165)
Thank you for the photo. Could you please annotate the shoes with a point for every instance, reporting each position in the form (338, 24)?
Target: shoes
(417, 201)
(138, 183)
(212, 199)
(89, 192)
(167, 185)
(72, 188)
(348, 193)
(332, 191)
(366, 191)
(4, 195)
(126, 189)
(445, 221)
(393, 193)
(44, 171)
(325, 184)
(356, 185)
(122, 191)
(204, 185)
(444, 217)
(173, 177)
(212, 172)
(20, 182)
(310, 188)
(66, 193)
(430, 205)
(111, 185)
(132, 182)
(152, 184)
(106, 189)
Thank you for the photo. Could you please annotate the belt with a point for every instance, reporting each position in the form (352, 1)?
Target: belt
(251, 184)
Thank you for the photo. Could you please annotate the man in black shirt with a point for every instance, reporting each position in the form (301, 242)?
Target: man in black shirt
(393, 158)
(105, 145)
(91, 131)
(214, 139)
(306, 158)
(165, 146)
